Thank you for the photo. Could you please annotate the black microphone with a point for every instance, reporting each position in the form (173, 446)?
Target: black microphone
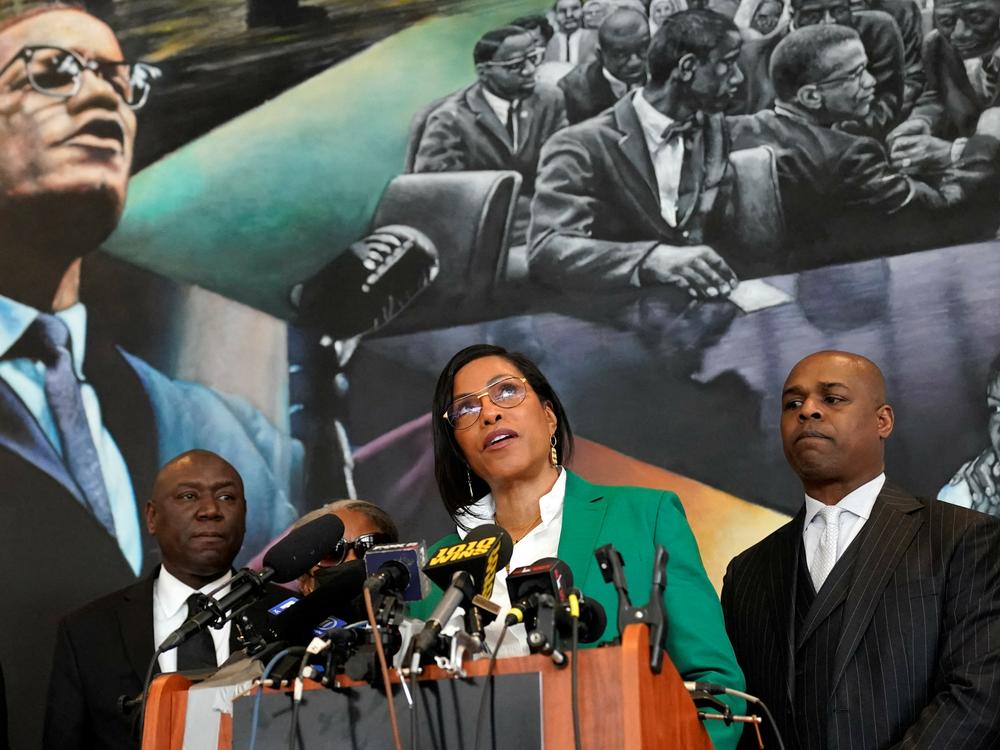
(592, 621)
(336, 595)
(396, 567)
(463, 570)
(288, 559)
(550, 575)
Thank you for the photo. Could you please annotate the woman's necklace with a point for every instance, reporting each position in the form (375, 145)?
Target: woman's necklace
(526, 530)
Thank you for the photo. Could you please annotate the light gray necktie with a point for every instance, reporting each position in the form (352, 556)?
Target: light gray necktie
(826, 553)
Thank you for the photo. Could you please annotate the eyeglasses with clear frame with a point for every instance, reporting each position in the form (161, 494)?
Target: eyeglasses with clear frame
(517, 65)
(854, 76)
(57, 72)
(506, 393)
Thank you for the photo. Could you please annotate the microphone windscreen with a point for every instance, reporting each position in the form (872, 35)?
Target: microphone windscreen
(303, 547)
(593, 621)
(335, 595)
(410, 555)
(491, 529)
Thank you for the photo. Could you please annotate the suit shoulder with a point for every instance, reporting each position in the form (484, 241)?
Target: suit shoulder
(942, 512)
(765, 547)
(98, 609)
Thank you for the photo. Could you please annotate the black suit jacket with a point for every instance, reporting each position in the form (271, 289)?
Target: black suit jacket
(835, 187)
(102, 652)
(4, 744)
(916, 663)
(58, 557)
(596, 211)
(587, 92)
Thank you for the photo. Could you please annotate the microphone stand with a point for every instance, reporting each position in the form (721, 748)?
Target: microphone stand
(654, 614)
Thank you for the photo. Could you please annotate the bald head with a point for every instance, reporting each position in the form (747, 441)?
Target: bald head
(834, 422)
(623, 45)
(197, 513)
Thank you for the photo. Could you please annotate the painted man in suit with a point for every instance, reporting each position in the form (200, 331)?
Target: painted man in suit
(628, 198)
(571, 43)
(832, 182)
(623, 45)
(499, 122)
(883, 45)
(962, 60)
(197, 515)
(872, 619)
(84, 424)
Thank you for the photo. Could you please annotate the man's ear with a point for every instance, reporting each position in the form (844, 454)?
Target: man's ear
(686, 66)
(150, 518)
(809, 97)
(598, 54)
(481, 72)
(886, 420)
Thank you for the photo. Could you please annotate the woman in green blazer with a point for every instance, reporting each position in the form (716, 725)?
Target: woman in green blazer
(501, 436)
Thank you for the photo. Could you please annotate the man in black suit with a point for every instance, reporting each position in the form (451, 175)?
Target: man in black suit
(631, 198)
(872, 619)
(197, 514)
(883, 45)
(835, 186)
(622, 48)
(498, 123)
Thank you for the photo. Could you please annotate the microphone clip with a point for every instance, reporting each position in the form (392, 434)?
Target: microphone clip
(654, 614)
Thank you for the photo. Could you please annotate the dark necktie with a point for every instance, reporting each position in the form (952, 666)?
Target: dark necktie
(567, 47)
(679, 128)
(47, 339)
(198, 652)
(512, 113)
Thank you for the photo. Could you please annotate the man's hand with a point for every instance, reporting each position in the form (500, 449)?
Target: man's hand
(697, 268)
(982, 475)
(915, 126)
(919, 152)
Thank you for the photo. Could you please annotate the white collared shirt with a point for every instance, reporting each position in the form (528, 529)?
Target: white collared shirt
(170, 611)
(618, 87)
(571, 40)
(541, 541)
(978, 79)
(857, 506)
(667, 156)
(501, 108)
(26, 378)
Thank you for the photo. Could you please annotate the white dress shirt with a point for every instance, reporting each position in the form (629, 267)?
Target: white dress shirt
(541, 541)
(573, 42)
(978, 78)
(501, 108)
(667, 156)
(618, 87)
(27, 379)
(170, 611)
(857, 508)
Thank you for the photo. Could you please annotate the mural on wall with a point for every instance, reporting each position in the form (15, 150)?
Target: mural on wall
(665, 208)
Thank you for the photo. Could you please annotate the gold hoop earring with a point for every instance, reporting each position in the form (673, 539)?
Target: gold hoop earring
(553, 454)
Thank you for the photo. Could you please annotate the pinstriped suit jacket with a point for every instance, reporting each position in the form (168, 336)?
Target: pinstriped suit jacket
(916, 663)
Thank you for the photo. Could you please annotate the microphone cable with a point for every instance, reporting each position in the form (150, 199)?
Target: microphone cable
(712, 689)
(574, 613)
(255, 719)
(370, 608)
(145, 691)
(297, 700)
(488, 686)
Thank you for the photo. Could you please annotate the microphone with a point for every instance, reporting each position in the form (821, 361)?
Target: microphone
(463, 570)
(592, 621)
(550, 575)
(288, 559)
(335, 595)
(396, 567)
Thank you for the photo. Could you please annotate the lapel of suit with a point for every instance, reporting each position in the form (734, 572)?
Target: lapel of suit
(486, 117)
(961, 101)
(599, 85)
(135, 623)
(21, 434)
(584, 507)
(705, 162)
(635, 166)
(128, 416)
(781, 583)
(886, 536)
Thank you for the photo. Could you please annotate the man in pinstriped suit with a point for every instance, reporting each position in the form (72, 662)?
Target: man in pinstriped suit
(872, 619)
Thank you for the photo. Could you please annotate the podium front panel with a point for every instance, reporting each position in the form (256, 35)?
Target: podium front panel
(446, 716)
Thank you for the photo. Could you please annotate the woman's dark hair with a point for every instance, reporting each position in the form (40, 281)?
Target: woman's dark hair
(449, 464)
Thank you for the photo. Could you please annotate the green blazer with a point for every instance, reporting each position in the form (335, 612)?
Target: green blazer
(635, 519)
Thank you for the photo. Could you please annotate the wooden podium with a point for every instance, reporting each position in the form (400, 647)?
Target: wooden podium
(622, 704)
